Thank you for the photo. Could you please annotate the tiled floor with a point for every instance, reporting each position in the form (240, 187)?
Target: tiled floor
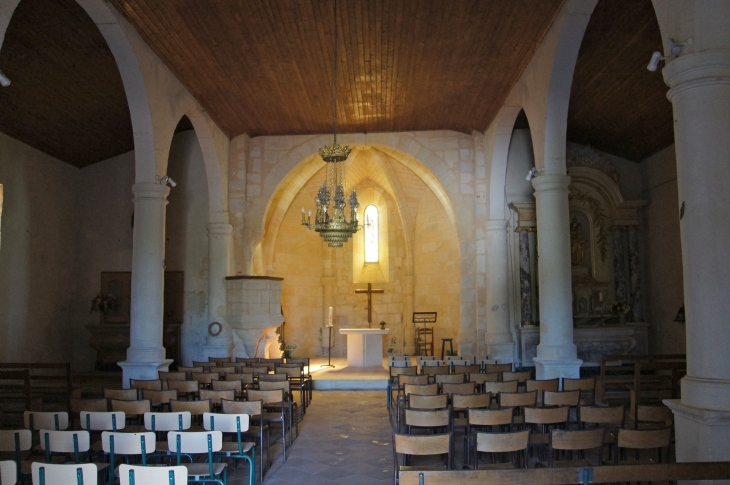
(345, 438)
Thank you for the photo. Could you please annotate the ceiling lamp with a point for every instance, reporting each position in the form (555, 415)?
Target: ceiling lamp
(330, 221)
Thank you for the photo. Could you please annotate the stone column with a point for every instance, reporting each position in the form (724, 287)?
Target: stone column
(498, 337)
(556, 354)
(619, 274)
(635, 276)
(700, 95)
(220, 238)
(146, 355)
(525, 279)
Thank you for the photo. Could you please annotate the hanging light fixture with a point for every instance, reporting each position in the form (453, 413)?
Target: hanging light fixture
(329, 220)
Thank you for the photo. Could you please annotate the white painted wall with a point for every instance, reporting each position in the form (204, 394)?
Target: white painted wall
(37, 254)
(662, 255)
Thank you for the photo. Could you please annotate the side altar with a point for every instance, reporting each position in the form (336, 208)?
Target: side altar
(364, 346)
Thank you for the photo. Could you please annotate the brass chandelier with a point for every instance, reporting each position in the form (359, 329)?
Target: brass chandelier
(329, 220)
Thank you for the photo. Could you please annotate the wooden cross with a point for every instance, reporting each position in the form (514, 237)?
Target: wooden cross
(370, 292)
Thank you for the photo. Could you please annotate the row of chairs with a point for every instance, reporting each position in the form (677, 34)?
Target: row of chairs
(87, 474)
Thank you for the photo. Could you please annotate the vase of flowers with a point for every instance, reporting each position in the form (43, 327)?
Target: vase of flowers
(103, 303)
(621, 308)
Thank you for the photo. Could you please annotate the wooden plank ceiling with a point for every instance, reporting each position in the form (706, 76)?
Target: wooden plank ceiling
(616, 104)
(264, 67)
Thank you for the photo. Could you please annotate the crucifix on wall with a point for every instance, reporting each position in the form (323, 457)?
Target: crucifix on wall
(370, 292)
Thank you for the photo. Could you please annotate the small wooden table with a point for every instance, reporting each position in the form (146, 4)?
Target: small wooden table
(364, 346)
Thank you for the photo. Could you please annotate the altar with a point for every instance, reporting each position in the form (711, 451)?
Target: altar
(364, 346)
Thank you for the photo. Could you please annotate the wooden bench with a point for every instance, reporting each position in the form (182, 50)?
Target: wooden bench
(569, 476)
(41, 383)
(618, 374)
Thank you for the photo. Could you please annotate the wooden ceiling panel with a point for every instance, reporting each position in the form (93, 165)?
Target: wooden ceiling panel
(264, 67)
(616, 104)
(66, 96)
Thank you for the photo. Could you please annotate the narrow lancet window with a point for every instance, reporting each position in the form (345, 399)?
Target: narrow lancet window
(371, 234)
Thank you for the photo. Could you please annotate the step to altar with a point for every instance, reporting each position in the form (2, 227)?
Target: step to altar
(344, 378)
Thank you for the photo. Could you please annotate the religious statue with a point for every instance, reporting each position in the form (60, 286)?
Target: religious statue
(576, 242)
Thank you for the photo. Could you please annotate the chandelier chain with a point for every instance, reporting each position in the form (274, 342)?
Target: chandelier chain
(334, 81)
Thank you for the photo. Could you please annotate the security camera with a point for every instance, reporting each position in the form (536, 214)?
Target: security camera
(532, 173)
(674, 51)
(165, 180)
(4, 81)
(171, 182)
(654, 62)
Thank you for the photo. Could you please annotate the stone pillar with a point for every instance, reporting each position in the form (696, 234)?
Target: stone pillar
(498, 337)
(619, 274)
(556, 353)
(635, 276)
(220, 238)
(525, 279)
(700, 95)
(146, 355)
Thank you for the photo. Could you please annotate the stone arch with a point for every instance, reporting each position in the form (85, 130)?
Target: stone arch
(500, 139)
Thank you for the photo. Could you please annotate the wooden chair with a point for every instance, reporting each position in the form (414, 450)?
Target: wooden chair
(258, 370)
(465, 369)
(37, 420)
(207, 366)
(643, 439)
(513, 443)
(460, 403)
(272, 401)
(235, 386)
(417, 401)
(560, 398)
(189, 371)
(218, 361)
(489, 368)
(271, 363)
(433, 419)
(195, 408)
(280, 377)
(586, 386)
(92, 405)
(215, 397)
(611, 418)
(188, 389)
(126, 445)
(15, 442)
(404, 379)
(101, 421)
(576, 440)
(121, 394)
(205, 378)
(296, 381)
(152, 384)
(303, 363)
(434, 363)
(521, 377)
(246, 360)
(67, 443)
(541, 421)
(67, 474)
(204, 443)
(237, 449)
(255, 411)
(289, 406)
(450, 378)
(160, 399)
(137, 475)
(394, 372)
(486, 420)
(496, 387)
(172, 376)
(407, 445)
(420, 389)
(8, 472)
(479, 379)
(133, 410)
(223, 370)
(653, 416)
(542, 385)
(434, 371)
(161, 423)
(421, 358)
(461, 388)
(518, 401)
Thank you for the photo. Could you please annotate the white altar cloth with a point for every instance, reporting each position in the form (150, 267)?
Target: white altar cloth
(364, 346)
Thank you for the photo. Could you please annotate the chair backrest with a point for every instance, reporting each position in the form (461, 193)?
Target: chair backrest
(121, 394)
(219, 360)
(8, 472)
(174, 421)
(102, 421)
(517, 399)
(235, 386)
(455, 357)
(460, 362)
(546, 416)
(257, 370)
(78, 405)
(428, 417)
(273, 396)
(480, 378)
(142, 475)
(35, 420)
(216, 396)
(644, 438)
(53, 474)
(252, 408)
(517, 376)
(542, 385)
(582, 439)
(435, 444)
(408, 371)
(65, 441)
(411, 379)
(437, 401)
(223, 370)
(461, 388)
(393, 358)
(189, 371)
(399, 363)
(128, 443)
(273, 377)
(159, 397)
(485, 362)
(153, 384)
(604, 415)
(194, 441)
(422, 389)
(464, 401)
(244, 377)
(172, 376)
(132, 407)
(290, 372)
(655, 414)
(490, 417)
(226, 423)
(247, 360)
(196, 408)
(205, 377)
(15, 440)
(465, 369)
(433, 363)
(206, 366)
(560, 398)
(503, 442)
(489, 368)
(304, 361)
(450, 378)
(184, 386)
(421, 358)
(497, 387)
(584, 384)
(269, 386)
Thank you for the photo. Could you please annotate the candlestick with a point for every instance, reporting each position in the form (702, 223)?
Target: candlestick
(329, 321)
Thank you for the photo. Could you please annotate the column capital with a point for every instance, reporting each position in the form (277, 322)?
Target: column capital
(150, 191)
(549, 183)
(497, 225)
(696, 69)
(219, 229)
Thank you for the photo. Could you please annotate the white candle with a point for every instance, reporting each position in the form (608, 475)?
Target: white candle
(329, 321)
(600, 296)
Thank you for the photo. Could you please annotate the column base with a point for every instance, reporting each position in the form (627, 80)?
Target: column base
(551, 369)
(142, 370)
(701, 434)
(706, 393)
(504, 351)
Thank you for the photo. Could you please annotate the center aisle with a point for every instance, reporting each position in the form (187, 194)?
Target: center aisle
(345, 438)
